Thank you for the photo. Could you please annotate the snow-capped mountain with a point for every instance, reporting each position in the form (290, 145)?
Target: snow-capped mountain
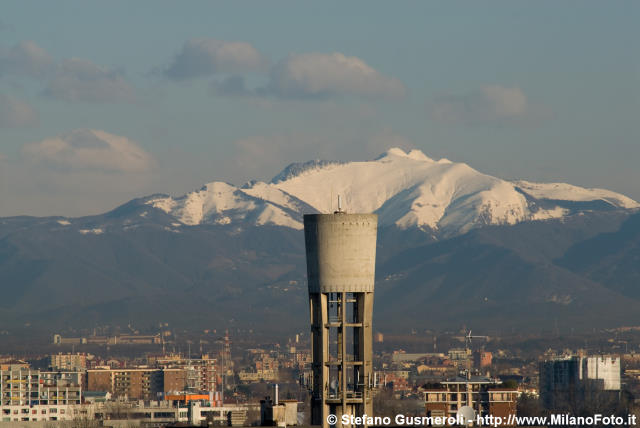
(407, 190)
(143, 262)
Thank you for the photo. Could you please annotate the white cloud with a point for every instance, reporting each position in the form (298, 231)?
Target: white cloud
(81, 80)
(25, 59)
(72, 79)
(505, 102)
(323, 75)
(205, 57)
(492, 103)
(15, 112)
(90, 149)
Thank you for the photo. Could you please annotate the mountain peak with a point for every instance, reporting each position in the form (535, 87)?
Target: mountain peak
(407, 190)
(298, 168)
(414, 154)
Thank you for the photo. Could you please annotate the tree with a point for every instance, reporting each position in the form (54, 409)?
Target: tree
(529, 405)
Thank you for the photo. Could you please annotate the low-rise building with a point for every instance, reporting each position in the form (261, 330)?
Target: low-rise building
(456, 354)
(138, 383)
(257, 376)
(482, 359)
(484, 395)
(280, 413)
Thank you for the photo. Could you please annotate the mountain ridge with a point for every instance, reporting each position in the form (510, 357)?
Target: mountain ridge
(406, 189)
(235, 265)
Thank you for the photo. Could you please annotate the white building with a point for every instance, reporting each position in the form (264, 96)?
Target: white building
(33, 395)
(565, 375)
(602, 368)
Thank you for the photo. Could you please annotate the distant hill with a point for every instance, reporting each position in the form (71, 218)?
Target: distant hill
(455, 247)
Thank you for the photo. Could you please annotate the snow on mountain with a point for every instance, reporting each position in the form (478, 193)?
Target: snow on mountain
(296, 169)
(405, 189)
(223, 203)
(567, 192)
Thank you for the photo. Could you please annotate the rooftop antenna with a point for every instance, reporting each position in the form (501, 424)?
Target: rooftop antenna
(331, 200)
(339, 205)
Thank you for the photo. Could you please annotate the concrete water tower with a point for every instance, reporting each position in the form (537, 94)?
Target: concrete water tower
(341, 254)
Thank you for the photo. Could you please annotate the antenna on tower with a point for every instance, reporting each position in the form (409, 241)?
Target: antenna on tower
(339, 205)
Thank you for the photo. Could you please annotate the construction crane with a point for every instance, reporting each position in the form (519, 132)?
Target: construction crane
(469, 337)
(468, 340)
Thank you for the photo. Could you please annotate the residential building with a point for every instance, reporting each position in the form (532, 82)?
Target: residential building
(138, 383)
(484, 395)
(22, 386)
(199, 373)
(33, 395)
(482, 359)
(69, 362)
(567, 377)
(459, 354)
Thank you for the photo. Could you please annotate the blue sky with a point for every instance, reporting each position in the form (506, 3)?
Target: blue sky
(180, 94)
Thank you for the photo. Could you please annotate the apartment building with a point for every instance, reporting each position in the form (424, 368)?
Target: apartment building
(32, 395)
(572, 376)
(135, 383)
(483, 394)
(69, 362)
(200, 373)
